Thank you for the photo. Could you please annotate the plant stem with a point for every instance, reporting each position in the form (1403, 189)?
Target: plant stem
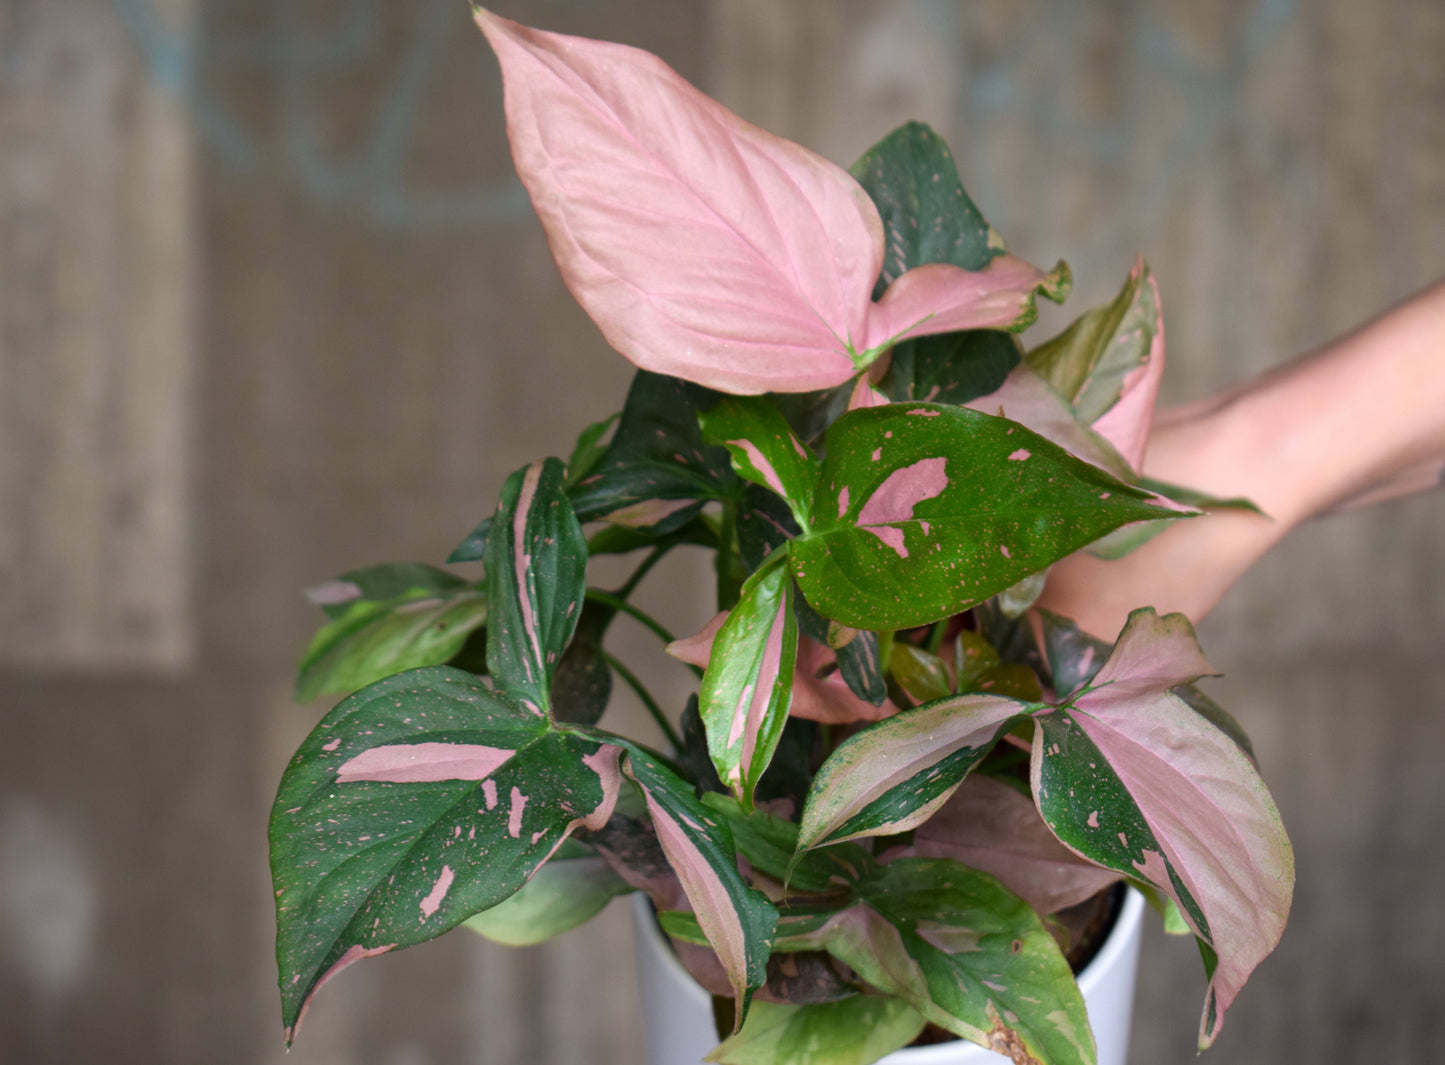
(616, 602)
(729, 566)
(653, 557)
(935, 636)
(647, 700)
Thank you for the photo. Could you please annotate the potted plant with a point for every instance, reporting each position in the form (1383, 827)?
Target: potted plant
(897, 772)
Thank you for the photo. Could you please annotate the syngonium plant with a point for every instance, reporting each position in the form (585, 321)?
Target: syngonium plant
(894, 772)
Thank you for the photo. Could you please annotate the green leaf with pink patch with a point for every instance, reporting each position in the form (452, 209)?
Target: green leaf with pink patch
(415, 803)
(765, 450)
(748, 685)
(536, 579)
(924, 510)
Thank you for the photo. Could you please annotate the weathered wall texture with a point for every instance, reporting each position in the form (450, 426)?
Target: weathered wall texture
(272, 307)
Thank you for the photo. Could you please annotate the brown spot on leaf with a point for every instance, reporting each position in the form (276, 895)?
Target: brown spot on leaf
(1016, 946)
(1007, 1042)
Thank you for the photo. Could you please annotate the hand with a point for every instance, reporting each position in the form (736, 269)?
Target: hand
(1358, 421)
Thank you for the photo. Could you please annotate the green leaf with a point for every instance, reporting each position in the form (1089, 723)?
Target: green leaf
(922, 675)
(764, 524)
(414, 804)
(658, 471)
(764, 450)
(582, 686)
(738, 921)
(748, 684)
(588, 452)
(536, 578)
(383, 584)
(560, 896)
(893, 775)
(376, 639)
(927, 216)
(770, 843)
(926, 510)
(993, 973)
(954, 368)
(1088, 361)
(620, 539)
(854, 1031)
(474, 547)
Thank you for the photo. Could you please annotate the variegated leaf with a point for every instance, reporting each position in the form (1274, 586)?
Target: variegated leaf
(991, 972)
(893, 775)
(414, 804)
(765, 451)
(377, 585)
(1128, 776)
(925, 510)
(536, 578)
(739, 922)
(748, 684)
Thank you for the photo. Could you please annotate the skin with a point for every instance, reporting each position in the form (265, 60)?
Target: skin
(1360, 420)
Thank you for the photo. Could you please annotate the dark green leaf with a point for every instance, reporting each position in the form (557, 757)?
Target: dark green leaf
(1074, 656)
(925, 510)
(770, 843)
(952, 368)
(621, 539)
(858, 659)
(583, 684)
(658, 470)
(764, 524)
(927, 215)
(474, 547)
(588, 452)
(536, 577)
(414, 804)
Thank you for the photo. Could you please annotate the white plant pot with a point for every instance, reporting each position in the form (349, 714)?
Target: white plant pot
(677, 1012)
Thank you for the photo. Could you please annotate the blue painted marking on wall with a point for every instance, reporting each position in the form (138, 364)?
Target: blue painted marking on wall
(180, 59)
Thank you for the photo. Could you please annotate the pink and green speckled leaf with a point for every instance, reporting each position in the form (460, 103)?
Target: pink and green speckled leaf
(738, 921)
(748, 684)
(1130, 777)
(536, 578)
(893, 775)
(703, 246)
(415, 803)
(924, 510)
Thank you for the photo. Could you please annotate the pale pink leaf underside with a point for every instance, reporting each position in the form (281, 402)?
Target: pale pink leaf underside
(1127, 423)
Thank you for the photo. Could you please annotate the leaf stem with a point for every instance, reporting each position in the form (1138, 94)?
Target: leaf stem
(653, 558)
(617, 602)
(647, 700)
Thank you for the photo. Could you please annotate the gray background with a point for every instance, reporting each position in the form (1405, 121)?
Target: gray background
(272, 307)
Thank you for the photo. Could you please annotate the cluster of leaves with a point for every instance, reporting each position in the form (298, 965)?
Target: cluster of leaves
(887, 778)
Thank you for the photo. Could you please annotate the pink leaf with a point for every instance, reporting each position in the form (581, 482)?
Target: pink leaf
(703, 246)
(990, 826)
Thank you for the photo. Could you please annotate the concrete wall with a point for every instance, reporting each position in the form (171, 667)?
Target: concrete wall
(272, 307)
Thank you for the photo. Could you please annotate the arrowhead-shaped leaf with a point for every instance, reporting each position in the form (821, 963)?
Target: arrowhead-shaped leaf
(704, 247)
(658, 471)
(414, 804)
(765, 451)
(893, 775)
(1128, 776)
(749, 679)
(536, 578)
(925, 510)
(738, 921)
